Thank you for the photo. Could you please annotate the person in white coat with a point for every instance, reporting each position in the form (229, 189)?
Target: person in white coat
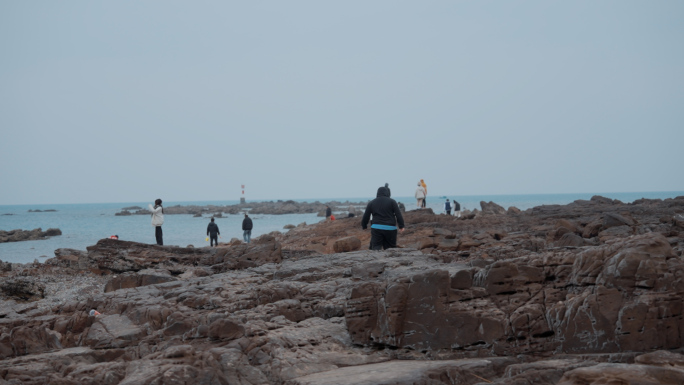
(420, 195)
(157, 220)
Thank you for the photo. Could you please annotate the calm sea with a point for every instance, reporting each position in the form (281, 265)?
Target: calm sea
(83, 225)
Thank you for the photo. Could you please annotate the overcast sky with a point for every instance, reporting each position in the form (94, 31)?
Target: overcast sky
(132, 100)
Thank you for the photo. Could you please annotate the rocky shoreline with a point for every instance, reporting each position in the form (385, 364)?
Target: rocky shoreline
(274, 208)
(585, 293)
(19, 235)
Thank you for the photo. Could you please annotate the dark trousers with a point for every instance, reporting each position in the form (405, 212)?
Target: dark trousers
(383, 239)
(448, 212)
(213, 239)
(158, 235)
(424, 200)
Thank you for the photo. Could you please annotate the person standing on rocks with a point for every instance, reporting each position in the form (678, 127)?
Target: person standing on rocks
(328, 213)
(447, 207)
(213, 233)
(457, 209)
(386, 218)
(420, 195)
(157, 220)
(422, 183)
(247, 228)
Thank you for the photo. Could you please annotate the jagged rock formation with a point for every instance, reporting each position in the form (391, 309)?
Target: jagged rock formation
(503, 297)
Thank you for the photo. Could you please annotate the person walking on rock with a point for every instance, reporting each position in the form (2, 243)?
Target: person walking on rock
(157, 220)
(328, 213)
(420, 195)
(447, 207)
(386, 218)
(457, 209)
(213, 233)
(247, 228)
(422, 183)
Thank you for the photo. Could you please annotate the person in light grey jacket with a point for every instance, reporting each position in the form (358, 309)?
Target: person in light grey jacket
(157, 220)
(420, 195)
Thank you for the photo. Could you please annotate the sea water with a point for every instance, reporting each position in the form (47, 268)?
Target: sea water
(83, 225)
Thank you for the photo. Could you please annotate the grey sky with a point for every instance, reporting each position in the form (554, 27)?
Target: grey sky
(130, 101)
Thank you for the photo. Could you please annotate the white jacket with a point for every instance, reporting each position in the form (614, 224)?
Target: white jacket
(157, 215)
(420, 192)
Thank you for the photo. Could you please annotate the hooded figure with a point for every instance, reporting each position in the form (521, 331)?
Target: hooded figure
(386, 218)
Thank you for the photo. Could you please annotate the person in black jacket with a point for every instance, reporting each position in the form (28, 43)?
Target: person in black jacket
(247, 228)
(328, 213)
(457, 209)
(386, 218)
(213, 233)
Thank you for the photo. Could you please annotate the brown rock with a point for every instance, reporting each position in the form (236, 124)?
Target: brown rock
(614, 219)
(347, 244)
(492, 208)
(623, 374)
(129, 280)
(225, 330)
(592, 229)
(570, 240)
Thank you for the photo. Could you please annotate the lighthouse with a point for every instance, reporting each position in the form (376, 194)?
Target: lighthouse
(242, 197)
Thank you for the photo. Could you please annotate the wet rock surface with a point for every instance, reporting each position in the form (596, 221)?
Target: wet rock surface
(586, 293)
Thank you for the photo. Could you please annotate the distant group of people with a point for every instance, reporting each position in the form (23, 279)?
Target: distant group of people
(213, 231)
(456, 206)
(385, 212)
(421, 198)
(387, 219)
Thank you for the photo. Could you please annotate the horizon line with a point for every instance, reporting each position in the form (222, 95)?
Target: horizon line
(323, 200)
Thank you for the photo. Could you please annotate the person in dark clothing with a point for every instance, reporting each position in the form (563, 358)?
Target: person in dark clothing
(386, 218)
(247, 228)
(447, 207)
(328, 212)
(457, 209)
(213, 233)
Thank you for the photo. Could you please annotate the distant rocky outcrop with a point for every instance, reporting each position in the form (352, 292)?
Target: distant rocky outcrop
(585, 293)
(28, 235)
(42, 211)
(274, 208)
